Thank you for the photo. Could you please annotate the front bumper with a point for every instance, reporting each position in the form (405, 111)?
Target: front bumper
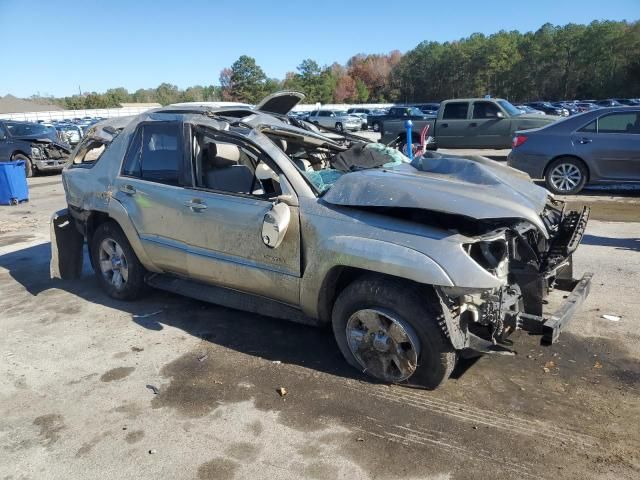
(550, 327)
(49, 165)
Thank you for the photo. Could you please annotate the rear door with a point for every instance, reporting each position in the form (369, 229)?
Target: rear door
(486, 129)
(611, 144)
(151, 187)
(451, 127)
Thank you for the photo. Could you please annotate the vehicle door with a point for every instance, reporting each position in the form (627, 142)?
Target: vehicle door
(151, 187)
(226, 211)
(611, 145)
(452, 127)
(489, 127)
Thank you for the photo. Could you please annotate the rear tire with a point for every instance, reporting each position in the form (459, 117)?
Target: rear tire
(339, 127)
(376, 126)
(119, 272)
(28, 167)
(566, 176)
(400, 327)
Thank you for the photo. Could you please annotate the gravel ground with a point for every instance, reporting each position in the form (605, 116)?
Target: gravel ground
(78, 372)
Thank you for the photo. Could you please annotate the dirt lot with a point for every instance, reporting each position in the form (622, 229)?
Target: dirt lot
(78, 373)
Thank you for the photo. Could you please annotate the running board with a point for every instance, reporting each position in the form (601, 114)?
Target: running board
(228, 297)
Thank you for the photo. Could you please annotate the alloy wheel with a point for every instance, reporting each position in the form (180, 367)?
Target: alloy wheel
(113, 263)
(385, 346)
(565, 177)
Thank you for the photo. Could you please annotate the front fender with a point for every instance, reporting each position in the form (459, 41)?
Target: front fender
(370, 255)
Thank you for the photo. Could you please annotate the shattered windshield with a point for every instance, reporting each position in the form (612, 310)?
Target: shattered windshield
(358, 157)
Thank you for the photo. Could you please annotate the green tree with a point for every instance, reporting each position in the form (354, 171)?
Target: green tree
(247, 80)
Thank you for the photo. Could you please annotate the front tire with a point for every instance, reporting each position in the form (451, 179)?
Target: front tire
(566, 176)
(339, 127)
(389, 330)
(119, 272)
(28, 167)
(376, 126)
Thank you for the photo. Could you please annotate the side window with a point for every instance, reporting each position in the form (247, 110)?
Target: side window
(619, 123)
(485, 110)
(155, 154)
(223, 166)
(455, 111)
(590, 127)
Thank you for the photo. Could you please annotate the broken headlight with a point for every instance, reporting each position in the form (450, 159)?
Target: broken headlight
(491, 255)
(37, 152)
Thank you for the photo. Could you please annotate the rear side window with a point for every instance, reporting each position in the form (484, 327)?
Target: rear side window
(155, 154)
(455, 111)
(619, 123)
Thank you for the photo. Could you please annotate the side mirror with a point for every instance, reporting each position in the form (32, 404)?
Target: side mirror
(500, 115)
(275, 225)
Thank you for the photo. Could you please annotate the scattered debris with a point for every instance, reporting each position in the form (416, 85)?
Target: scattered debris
(597, 364)
(545, 370)
(145, 315)
(217, 382)
(137, 349)
(282, 391)
(154, 389)
(152, 451)
(475, 428)
(203, 357)
(124, 428)
(276, 362)
(359, 439)
(549, 364)
(612, 318)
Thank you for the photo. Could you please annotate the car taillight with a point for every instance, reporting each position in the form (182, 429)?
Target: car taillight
(518, 140)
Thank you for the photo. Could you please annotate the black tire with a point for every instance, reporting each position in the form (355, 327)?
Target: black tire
(134, 286)
(339, 127)
(404, 301)
(376, 126)
(576, 178)
(28, 167)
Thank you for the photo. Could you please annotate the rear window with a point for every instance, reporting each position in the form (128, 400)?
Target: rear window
(618, 123)
(455, 111)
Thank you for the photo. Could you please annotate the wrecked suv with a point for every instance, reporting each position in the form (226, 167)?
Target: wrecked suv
(412, 263)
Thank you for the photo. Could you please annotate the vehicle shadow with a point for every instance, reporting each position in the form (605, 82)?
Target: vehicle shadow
(632, 244)
(269, 338)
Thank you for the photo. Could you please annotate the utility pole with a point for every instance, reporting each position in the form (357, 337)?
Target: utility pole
(79, 90)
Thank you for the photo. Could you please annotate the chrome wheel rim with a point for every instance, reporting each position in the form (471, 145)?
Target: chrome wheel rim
(113, 263)
(385, 346)
(376, 127)
(565, 177)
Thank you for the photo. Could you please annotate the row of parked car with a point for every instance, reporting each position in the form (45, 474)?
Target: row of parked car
(371, 118)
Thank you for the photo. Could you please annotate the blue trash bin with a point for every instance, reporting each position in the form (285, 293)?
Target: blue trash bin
(13, 183)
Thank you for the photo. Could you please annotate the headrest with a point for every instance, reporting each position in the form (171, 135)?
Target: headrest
(222, 155)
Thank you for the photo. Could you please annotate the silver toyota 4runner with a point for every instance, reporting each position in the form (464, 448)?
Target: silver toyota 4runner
(412, 263)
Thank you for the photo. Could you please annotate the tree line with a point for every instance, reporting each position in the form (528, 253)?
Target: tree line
(599, 60)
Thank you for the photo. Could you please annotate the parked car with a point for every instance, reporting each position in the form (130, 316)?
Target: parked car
(397, 112)
(35, 144)
(569, 107)
(467, 123)
(548, 108)
(70, 133)
(629, 102)
(609, 103)
(428, 108)
(335, 119)
(363, 113)
(597, 146)
(586, 106)
(409, 267)
(528, 109)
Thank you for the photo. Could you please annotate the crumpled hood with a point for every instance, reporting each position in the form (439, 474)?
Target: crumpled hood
(473, 187)
(40, 138)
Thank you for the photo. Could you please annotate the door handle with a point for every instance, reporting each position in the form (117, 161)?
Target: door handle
(584, 140)
(444, 125)
(473, 124)
(196, 205)
(128, 189)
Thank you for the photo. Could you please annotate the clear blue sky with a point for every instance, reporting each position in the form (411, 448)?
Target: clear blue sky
(52, 47)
